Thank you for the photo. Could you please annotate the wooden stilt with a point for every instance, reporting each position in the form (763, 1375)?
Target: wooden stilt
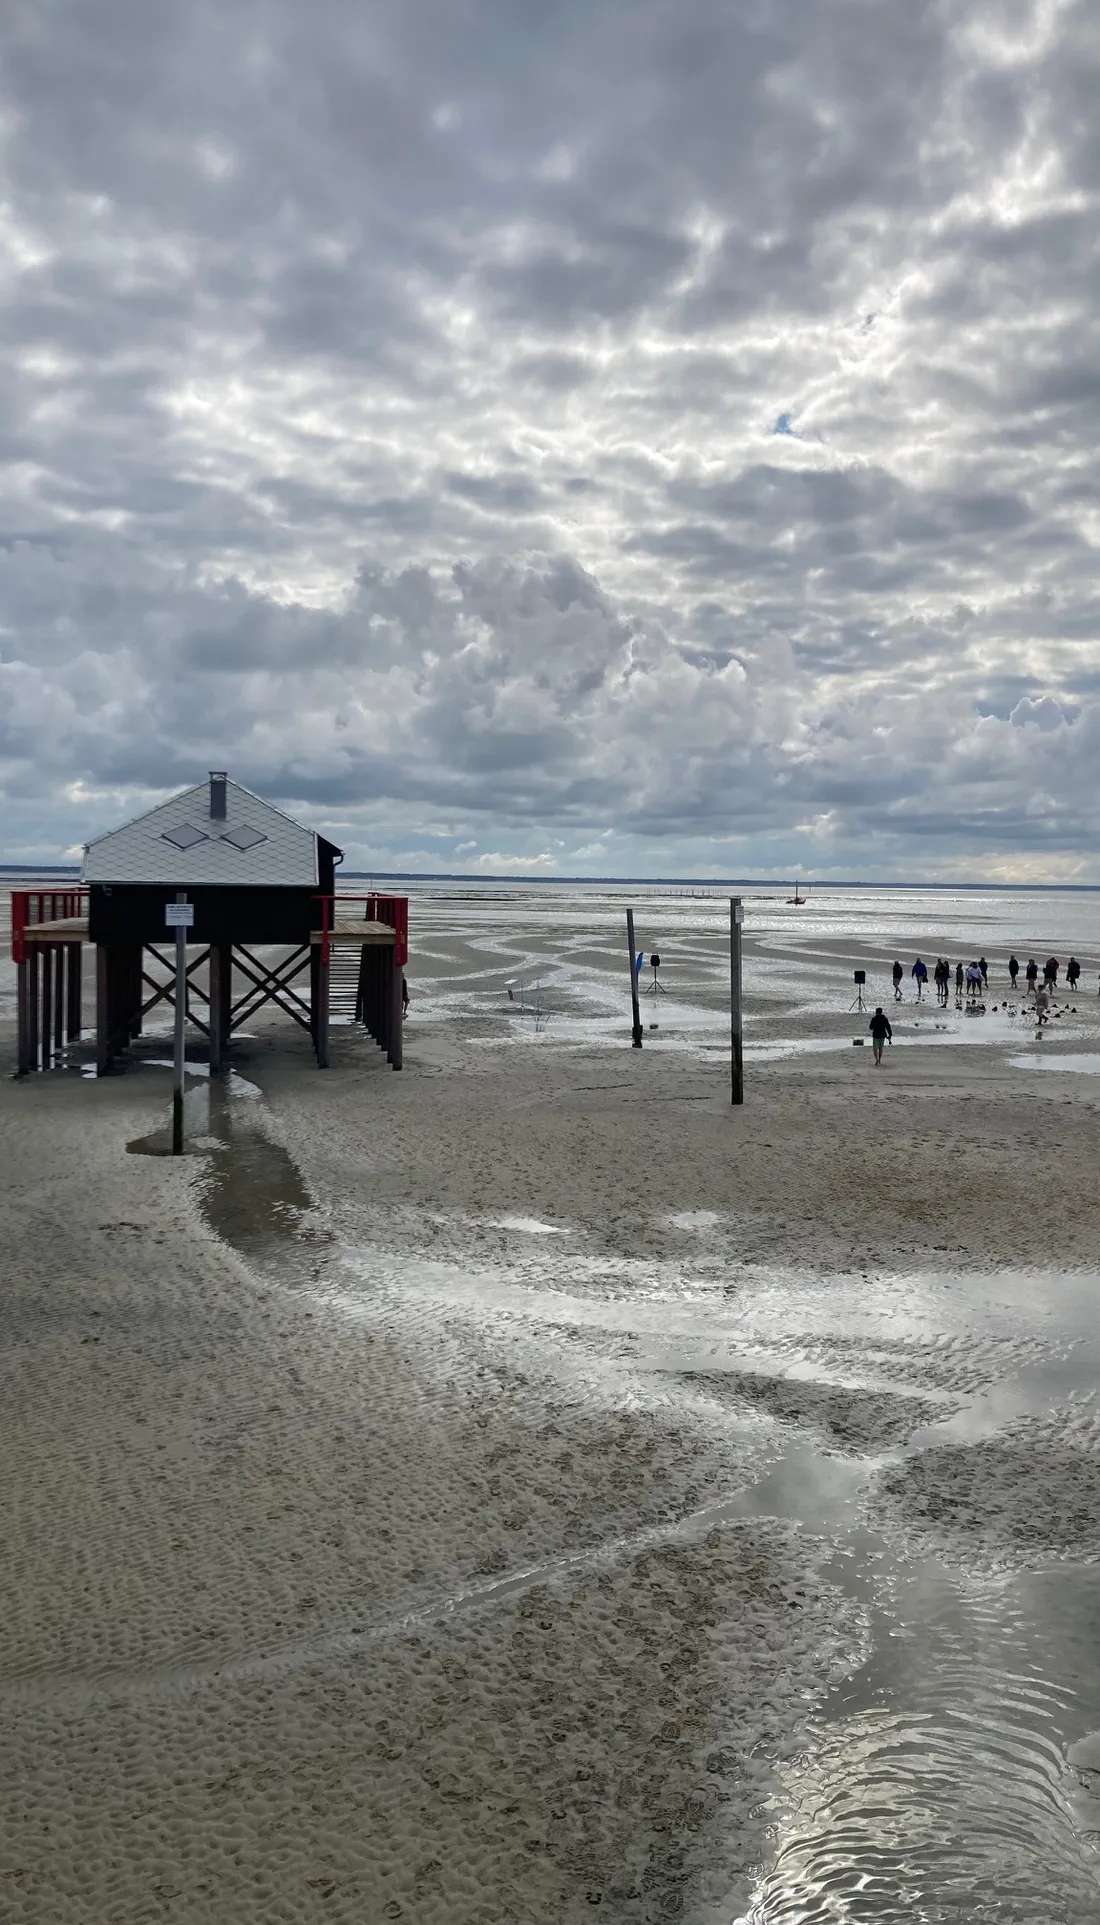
(33, 973)
(216, 988)
(133, 991)
(360, 992)
(60, 954)
(102, 1009)
(23, 990)
(323, 979)
(47, 1005)
(75, 987)
(396, 1051)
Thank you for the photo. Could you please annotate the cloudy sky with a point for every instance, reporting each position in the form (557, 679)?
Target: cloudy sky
(568, 436)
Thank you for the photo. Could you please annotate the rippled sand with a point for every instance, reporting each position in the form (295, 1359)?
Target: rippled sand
(374, 1552)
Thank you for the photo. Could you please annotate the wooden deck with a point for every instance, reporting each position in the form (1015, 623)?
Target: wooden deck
(75, 929)
(357, 932)
(67, 929)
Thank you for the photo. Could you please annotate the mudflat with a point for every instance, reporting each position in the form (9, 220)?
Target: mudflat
(374, 1476)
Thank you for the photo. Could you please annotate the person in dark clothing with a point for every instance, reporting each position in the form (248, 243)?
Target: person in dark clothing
(404, 997)
(1013, 969)
(984, 967)
(960, 978)
(1032, 974)
(1050, 973)
(919, 973)
(1073, 971)
(898, 972)
(881, 1033)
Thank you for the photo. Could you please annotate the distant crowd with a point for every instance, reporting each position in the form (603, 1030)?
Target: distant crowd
(972, 979)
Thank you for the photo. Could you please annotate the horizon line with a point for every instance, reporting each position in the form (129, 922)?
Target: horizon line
(634, 882)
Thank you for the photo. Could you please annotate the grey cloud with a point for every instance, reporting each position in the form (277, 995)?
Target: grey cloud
(388, 402)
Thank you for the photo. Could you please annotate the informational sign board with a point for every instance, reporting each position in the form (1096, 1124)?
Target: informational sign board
(179, 915)
(739, 913)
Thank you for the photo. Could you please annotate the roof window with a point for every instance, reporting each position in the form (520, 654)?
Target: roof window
(243, 837)
(185, 837)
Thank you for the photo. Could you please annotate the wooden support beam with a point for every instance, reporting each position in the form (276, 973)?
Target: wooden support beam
(324, 978)
(396, 1051)
(23, 991)
(60, 951)
(74, 1011)
(102, 1009)
(33, 973)
(221, 1002)
(47, 1004)
(273, 986)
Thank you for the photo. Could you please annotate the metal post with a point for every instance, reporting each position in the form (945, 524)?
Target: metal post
(737, 1061)
(636, 1034)
(181, 1019)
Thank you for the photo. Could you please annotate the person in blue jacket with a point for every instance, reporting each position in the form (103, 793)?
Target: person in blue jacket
(919, 973)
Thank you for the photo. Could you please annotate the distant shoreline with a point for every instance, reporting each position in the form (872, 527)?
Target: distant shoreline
(10, 871)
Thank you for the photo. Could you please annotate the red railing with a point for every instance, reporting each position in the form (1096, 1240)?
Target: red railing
(30, 906)
(393, 910)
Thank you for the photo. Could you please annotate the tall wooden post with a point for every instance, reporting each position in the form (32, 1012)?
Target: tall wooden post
(102, 1008)
(59, 953)
(737, 1059)
(397, 1013)
(47, 1005)
(23, 991)
(636, 1033)
(179, 1035)
(218, 981)
(323, 975)
(32, 1004)
(74, 1011)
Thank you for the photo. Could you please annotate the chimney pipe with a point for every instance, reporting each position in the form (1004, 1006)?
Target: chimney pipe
(217, 795)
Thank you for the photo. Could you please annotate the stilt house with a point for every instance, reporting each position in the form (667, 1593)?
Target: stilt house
(257, 881)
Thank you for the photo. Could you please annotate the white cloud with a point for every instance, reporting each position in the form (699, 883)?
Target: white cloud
(391, 415)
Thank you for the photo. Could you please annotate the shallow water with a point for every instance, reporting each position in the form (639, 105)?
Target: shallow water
(937, 1782)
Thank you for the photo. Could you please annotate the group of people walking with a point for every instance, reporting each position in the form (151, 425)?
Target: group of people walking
(973, 978)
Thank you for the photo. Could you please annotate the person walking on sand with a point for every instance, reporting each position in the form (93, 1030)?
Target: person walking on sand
(1013, 970)
(973, 982)
(1050, 973)
(1073, 971)
(897, 972)
(959, 980)
(1032, 974)
(943, 979)
(881, 1033)
(1042, 1004)
(919, 974)
(984, 967)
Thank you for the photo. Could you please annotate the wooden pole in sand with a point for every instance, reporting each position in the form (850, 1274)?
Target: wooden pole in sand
(636, 1037)
(179, 915)
(737, 1060)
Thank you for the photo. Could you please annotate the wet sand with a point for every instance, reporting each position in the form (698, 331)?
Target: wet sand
(386, 1484)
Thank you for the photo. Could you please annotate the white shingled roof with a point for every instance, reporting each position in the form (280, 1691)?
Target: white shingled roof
(181, 844)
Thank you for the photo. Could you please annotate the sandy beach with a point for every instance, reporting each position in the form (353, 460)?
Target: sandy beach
(386, 1493)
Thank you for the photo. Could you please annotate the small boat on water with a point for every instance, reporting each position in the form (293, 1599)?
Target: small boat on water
(797, 901)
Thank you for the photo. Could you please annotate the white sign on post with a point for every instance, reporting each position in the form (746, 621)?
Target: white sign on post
(179, 915)
(739, 914)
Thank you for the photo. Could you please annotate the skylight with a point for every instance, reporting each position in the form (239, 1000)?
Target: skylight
(243, 837)
(185, 837)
